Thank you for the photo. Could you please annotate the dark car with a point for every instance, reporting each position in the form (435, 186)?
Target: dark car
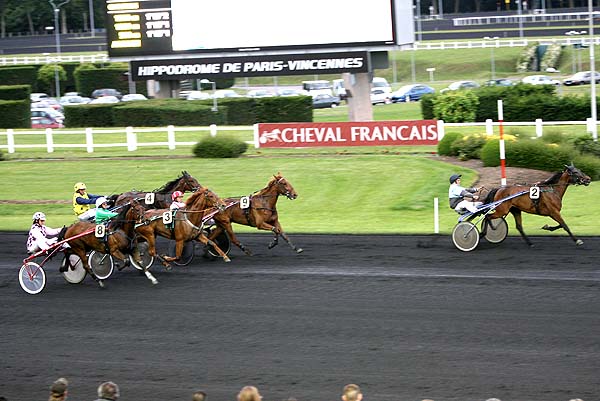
(45, 122)
(324, 101)
(581, 78)
(414, 92)
(499, 82)
(106, 92)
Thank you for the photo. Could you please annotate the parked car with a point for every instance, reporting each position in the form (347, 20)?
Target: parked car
(414, 92)
(73, 100)
(38, 96)
(133, 96)
(45, 122)
(323, 101)
(461, 85)
(540, 80)
(260, 93)
(105, 100)
(106, 92)
(380, 96)
(48, 112)
(197, 95)
(290, 92)
(499, 82)
(581, 78)
(223, 93)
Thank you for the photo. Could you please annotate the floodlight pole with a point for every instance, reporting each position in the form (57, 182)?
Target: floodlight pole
(493, 42)
(593, 72)
(56, 9)
(92, 26)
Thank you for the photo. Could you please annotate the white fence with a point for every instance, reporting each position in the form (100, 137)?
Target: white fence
(132, 144)
(47, 59)
(129, 135)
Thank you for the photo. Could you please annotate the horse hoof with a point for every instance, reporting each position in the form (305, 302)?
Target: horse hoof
(226, 259)
(299, 250)
(249, 253)
(154, 282)
(546, 227)
(579, 242)
(168, 267)
(101, 284)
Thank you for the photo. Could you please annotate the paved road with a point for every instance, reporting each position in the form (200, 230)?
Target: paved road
(408, 318)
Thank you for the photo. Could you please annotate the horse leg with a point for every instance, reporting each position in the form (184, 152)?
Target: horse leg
(232, 237)
(204, 239)
(561, 223)
(519, 223)
(84, 261)
(151, 240)
(277, 230)
(553, 228)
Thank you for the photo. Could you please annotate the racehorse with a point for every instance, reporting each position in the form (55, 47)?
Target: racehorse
(549, 203)
(187, 225)
(162, 196)
(115, 241)
(261, 213)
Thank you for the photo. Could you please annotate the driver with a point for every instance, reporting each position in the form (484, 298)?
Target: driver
(102, 212)
(82, 201)
(177, 198)
(41, 237)
(457, 195)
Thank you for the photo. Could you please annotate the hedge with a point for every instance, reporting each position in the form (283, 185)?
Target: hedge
(15, 92)
(15, 113)
(25, 75)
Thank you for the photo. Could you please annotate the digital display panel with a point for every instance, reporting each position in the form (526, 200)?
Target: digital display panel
(163, 27)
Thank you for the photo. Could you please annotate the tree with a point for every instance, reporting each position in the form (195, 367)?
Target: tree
(46, 76)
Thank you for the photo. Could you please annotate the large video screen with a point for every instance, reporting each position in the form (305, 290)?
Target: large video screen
(163, 27)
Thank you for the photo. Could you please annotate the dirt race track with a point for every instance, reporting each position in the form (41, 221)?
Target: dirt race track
(407, 318)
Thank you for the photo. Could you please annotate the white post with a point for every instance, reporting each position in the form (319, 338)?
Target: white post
(593, 71)
(436, 216)
(440, 129)
(539, 127)
(489, 127)
(131, 139)
(407, 99)
(10, 140)
(171, 137)
(213, 130)
(589, 124)
(89, 140)
(49, 141)
(502, 153)
(256, 141)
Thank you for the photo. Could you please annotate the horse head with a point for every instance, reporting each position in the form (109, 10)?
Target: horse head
(189, 183)
(204, 198)
(576, 176)
(136, 211)
(284, 187)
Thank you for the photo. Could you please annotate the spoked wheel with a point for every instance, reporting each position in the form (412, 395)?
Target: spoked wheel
(187, 254)
(144, 254)
(101, 264)
(32, 278)
(465, 236)
(75, 272)
(496, 230)
(222, 242)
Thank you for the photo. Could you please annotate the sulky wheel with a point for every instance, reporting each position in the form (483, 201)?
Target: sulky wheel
(75, 272)
(222, 242)
(32, 278)
(147, 259)
(187, 254)
(496, 230)
(101, 264)
(465, 236)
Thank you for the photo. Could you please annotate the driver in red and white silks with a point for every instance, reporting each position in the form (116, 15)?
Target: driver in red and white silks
(177, 198)
(457, 195)
(41, 237)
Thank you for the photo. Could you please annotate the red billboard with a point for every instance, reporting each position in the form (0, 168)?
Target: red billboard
(372, 133)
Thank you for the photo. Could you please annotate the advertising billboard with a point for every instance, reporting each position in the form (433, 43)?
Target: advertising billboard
(141, 28)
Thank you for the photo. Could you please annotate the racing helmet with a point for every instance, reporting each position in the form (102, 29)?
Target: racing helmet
(454, 177)
(79, 185)
(100, 201)
(176, 195)
(39, 216)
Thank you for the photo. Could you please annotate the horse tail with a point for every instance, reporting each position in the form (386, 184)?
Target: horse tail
(490, 196)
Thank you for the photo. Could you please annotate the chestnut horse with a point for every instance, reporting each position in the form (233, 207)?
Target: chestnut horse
(162, 196)
(116, 242)
(261, 212)
(549, 203)
(187, 225)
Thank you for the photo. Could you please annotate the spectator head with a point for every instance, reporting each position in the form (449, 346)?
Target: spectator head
(108, 391)
(351, 392)
(249, 393)
(199, 396)
(59, 389)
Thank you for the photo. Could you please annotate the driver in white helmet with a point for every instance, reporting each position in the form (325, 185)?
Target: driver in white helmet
(41, 237)
(102, 212)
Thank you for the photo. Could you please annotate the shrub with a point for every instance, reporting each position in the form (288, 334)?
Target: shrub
(427, 106)
(585, 144)
(553, 136)
(219, 147)
(524, 60)
(1, 155)
(445, 145)
(468, 147)
(490, 153)
(46, 77)
(590, 165)
(551, 57)
(456, 107)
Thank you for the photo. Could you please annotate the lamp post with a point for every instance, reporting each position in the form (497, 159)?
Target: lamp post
(593, 71)
(576, 66)
(493, 62)
(56, 5)
(92, 26)
(520, 12)
(419, 33)
(214, 89)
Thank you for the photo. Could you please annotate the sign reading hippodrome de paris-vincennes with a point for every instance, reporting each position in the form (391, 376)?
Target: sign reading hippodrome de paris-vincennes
(372, 133)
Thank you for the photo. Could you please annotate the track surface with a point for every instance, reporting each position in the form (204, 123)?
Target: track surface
(407, 318)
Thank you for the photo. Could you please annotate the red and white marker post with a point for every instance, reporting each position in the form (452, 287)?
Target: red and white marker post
(502, 154)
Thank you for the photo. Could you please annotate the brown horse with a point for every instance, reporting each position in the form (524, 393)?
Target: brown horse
(115, 242)
(162, 196)
(549, 203)
(261, 212)
(187, 225)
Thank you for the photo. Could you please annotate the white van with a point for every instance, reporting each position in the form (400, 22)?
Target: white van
(338, 88)
(381, 83)
(314, 88)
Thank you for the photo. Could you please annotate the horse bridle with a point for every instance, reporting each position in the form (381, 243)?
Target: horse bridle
(287, 192)
(577, 177)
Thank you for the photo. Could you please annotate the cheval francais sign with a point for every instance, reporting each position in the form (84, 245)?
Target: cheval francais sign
(373, 133)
